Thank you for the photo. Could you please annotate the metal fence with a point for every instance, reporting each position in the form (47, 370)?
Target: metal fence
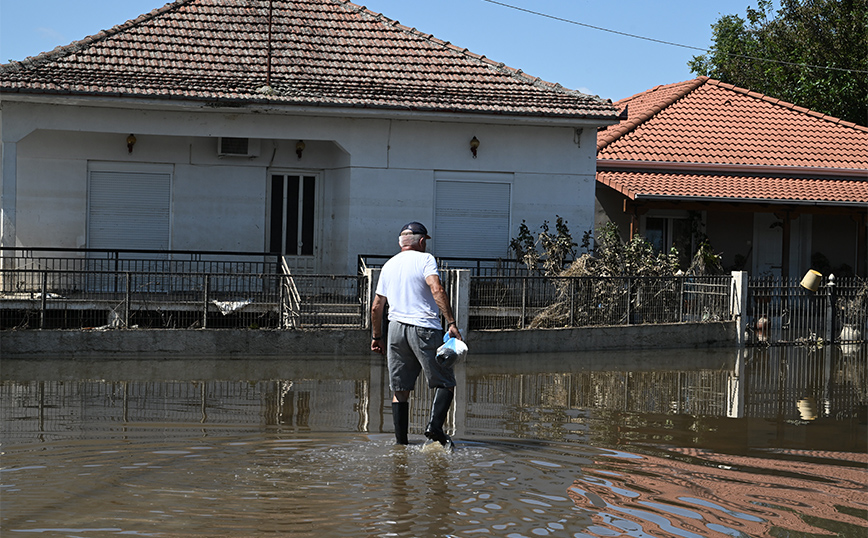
(548, 302)
(152, 261)
(72, 299)
(782, 312)
(476, 266)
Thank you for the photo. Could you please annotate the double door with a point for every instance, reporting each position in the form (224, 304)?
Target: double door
(294, 220)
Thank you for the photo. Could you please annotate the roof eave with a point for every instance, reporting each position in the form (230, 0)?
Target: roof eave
(319, 109)
(640, 197)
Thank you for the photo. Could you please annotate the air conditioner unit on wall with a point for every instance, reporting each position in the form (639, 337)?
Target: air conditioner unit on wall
(237, 147)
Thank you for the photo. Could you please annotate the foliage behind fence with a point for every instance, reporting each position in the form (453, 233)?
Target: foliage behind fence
(549, 302)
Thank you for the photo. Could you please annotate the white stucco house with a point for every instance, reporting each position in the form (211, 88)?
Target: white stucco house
(314, 129)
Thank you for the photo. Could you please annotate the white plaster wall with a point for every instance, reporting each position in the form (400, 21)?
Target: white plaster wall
(52, 202)
(338, 254)
(551, 174)
(219, 208)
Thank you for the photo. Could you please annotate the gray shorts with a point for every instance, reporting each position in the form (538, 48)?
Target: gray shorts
(413, 349)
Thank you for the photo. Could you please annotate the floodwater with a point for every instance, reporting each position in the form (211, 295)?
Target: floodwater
(764, 442)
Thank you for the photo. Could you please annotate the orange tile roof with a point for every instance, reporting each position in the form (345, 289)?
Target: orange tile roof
(321, 53)
(705, 139)
(709, 187)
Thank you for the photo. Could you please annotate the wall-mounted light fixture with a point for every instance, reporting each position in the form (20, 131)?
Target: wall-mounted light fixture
(299, 148)
(131, 141)
(474, 145)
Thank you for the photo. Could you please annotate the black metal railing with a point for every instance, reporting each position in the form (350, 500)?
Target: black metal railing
(476, 266)
(549, 302)
(137, 260)
(782, 312)
(42, 298)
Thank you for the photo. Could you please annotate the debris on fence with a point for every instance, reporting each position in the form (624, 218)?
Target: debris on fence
(228, 307)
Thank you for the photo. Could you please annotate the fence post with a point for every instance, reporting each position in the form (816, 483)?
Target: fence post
(205, 305)
(281, 301)
(629, 298)
(461, 300)
(44, 298)
(738, 305)
(128, 300)
(831, 297)
(572, 291)
(372, 275)
(523, 302)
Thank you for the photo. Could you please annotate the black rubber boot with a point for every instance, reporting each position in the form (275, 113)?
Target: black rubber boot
(439, 410)
(401, 419)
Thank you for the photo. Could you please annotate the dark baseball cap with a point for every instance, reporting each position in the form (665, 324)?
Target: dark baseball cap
(417, 228)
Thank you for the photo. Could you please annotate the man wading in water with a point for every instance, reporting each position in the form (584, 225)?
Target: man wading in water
(410, 283)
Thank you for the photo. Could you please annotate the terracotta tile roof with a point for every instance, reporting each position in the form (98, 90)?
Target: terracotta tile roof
(642, 106)
(322, 53)
(684, 140)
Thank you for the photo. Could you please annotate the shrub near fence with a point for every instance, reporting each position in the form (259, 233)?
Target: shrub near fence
(548, 302)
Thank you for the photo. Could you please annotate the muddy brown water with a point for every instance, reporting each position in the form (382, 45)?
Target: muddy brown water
(764, 442)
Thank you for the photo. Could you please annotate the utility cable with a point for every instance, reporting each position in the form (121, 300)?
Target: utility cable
(707, 51)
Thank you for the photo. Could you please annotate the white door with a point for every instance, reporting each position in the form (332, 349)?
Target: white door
(768, 235)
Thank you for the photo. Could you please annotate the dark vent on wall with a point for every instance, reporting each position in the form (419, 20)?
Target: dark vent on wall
(236, 147)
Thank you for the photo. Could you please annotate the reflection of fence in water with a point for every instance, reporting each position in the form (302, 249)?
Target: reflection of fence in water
(834, 382)
(333, 405)
(540, 405)
(678, 392)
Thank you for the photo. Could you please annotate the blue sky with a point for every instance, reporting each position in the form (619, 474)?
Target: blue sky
(600, 63)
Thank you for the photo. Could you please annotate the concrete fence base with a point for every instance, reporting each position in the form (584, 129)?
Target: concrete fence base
(35, 344)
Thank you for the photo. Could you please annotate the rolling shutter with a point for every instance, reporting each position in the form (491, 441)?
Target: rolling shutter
(128, 209)
(472, 219)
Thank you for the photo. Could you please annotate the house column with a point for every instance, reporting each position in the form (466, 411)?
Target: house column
(8, 195)
(861, 243)
(786, 217)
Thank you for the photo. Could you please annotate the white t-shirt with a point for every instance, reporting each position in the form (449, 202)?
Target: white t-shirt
(402, 283)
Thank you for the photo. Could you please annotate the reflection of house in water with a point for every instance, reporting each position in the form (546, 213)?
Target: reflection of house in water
(558, 397)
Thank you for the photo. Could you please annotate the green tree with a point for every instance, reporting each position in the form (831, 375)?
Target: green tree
(819, 50)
